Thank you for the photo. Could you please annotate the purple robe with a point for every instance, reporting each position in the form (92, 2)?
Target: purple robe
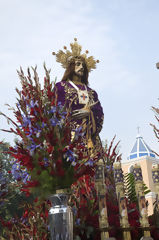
(68, 96)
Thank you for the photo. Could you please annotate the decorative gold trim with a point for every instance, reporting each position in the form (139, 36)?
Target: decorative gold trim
(68, 56)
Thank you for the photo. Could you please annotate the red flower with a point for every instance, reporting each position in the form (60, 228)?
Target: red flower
(50, 149)
(59, 163)
(53, 102)
(36, 199)
(27, 192)
(46, 213)
(25, 214)
(32, 184)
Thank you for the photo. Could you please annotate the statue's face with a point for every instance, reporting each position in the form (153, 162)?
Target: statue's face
(79, 68)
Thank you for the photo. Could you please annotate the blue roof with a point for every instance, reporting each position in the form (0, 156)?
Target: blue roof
(140, 149)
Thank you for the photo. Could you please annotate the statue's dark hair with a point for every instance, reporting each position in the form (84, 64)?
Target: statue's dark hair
(68, 74)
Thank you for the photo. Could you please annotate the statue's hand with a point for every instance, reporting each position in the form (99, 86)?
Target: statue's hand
(80, 113)
(90, 105)
(83, 112)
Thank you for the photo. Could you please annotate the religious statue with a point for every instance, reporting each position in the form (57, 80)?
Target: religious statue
(74, 93)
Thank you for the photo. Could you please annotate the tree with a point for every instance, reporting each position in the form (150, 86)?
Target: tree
(11, 198)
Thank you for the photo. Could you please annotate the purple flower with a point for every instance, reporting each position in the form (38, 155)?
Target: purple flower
(32, 147)
(90, 163)
(1, 202)
(70, 156)
(53, 110)
(53, 121)
(38, 133)
(74, 210)
(19, 172)
(43, 125)
(33, 104)
(78, 133)
(108, 167)
(26, 121)
(46, 162)
(59, 104)
(78, 220)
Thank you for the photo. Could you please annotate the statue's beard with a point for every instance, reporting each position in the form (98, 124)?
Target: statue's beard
(79, 73)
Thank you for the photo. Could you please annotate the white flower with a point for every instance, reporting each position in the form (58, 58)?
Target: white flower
(28, 109)
(45, 143)
(38, 134)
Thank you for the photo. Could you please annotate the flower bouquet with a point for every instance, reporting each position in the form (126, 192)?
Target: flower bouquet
(48, 156)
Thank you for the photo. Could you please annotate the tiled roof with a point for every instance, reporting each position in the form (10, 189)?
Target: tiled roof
(140, 149)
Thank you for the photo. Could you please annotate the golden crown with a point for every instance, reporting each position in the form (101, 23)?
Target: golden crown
(66, 57)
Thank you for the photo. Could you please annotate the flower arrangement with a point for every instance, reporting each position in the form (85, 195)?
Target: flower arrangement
(47, 158)
(46, 155)
(34, 220)
(33, 224)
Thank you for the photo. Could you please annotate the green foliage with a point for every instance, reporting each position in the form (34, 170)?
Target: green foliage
(130, 188)
(5, 161)
(11, 198)
(32, 225)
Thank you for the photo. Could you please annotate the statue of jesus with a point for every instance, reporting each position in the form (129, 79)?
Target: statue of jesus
(73, 93)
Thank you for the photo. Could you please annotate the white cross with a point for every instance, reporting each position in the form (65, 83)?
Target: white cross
(138, 130)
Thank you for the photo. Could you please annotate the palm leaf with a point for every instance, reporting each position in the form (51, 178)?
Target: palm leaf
(129, 182)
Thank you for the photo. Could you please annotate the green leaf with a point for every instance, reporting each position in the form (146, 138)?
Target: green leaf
(129, 182)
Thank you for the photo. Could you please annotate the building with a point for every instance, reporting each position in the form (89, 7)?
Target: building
(143, 155)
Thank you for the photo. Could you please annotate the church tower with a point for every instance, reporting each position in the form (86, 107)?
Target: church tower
(143, 155)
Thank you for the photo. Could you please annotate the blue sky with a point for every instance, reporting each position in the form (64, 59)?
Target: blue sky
(122, 34)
